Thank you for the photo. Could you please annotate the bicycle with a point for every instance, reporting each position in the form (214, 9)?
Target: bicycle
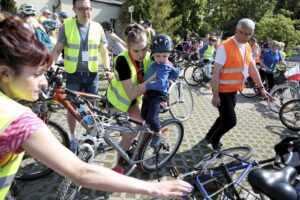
(212, 176)
(282, 94)
(194, 74)
(140, 155)
(289, 114)
(180, 101)
(250, 89)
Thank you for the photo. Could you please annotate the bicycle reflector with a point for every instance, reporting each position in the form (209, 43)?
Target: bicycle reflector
(164, 130)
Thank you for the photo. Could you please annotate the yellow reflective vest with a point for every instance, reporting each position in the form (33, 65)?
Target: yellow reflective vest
(209, 53)
(72, 48)
(116, 94)
(9, 165)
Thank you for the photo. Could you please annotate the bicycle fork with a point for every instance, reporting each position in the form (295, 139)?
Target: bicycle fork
(180, 97)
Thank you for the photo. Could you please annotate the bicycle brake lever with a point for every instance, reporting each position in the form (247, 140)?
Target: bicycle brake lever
(43, 94)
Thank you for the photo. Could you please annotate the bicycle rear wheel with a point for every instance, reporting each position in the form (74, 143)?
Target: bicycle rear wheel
(32, 169)
(193, 75)
(208, 162)
(289, 114)
(250, 89)
(181, 101)
(172, 135)
(280, 95)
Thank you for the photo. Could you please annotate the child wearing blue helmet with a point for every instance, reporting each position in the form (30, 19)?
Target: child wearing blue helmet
(157, 90)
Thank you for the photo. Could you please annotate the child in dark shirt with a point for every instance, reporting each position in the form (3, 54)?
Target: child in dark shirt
(157, 90)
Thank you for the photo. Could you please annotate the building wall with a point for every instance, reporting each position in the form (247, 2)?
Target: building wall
(101, 11)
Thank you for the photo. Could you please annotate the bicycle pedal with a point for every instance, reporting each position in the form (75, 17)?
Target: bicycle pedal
(173, 171)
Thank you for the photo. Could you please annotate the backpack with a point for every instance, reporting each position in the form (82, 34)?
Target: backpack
(44, 38)
(288, 153)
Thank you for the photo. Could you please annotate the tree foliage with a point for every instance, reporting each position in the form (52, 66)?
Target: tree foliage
(291, 5)
(224, 15)
(191, 14)
(9, 6)
(278, 19)
(140, 11)
(160, 14)
(278, 27)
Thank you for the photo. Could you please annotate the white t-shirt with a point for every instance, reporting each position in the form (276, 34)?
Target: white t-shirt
(221, 53)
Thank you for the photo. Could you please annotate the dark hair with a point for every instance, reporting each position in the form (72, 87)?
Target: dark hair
(135, 33)
(19, 47)
(74, 1)
(107, 26)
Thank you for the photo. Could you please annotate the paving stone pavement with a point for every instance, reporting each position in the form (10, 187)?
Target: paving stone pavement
(257, 127)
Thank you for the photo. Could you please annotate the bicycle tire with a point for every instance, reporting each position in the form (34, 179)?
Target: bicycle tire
(193, 75)
(250, 89)
(181, 105)
(289, 114)
(172, 135)
(68, 190)
(245, 154)
(280, 95)
(32, 169)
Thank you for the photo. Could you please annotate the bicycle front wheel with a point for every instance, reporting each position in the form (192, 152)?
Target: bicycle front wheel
(181, 101)
(280, 95)
(207, 162)
(250, 89)
(172, 135)
(289, 114)
(32, 169)
(193, 75)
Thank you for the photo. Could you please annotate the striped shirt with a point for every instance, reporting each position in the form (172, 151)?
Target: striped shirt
(17, 132)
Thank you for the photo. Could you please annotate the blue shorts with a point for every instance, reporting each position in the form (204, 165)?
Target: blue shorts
(83, 82)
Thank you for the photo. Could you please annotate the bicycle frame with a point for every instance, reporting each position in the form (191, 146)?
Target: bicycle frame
(141, 130)
(206, 173)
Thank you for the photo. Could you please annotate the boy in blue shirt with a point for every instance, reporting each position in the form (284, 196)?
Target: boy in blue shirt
(157, 90)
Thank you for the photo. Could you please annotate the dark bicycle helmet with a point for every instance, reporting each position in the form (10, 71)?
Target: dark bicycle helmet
(27, 9)
(50, 24)
(161, 43)
(148, 22)
(107, 26)
(63, 15)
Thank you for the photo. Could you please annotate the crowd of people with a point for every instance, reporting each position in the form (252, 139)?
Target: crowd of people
(139, 77)
(22, 77)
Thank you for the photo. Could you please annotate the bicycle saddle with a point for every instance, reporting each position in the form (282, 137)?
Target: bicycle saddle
(276, 185)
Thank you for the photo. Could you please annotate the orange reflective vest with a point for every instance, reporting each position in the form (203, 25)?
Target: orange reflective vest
(257, 57)
(231, 76)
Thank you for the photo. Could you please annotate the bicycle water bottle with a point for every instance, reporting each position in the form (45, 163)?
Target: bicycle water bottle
(88, 120)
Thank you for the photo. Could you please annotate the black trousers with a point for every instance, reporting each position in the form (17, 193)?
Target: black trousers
(227, 117)
(151, 107)
(269, 75)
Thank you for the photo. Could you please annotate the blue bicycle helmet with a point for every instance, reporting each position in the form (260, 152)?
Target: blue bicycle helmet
(50, 24)
(161, 43)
